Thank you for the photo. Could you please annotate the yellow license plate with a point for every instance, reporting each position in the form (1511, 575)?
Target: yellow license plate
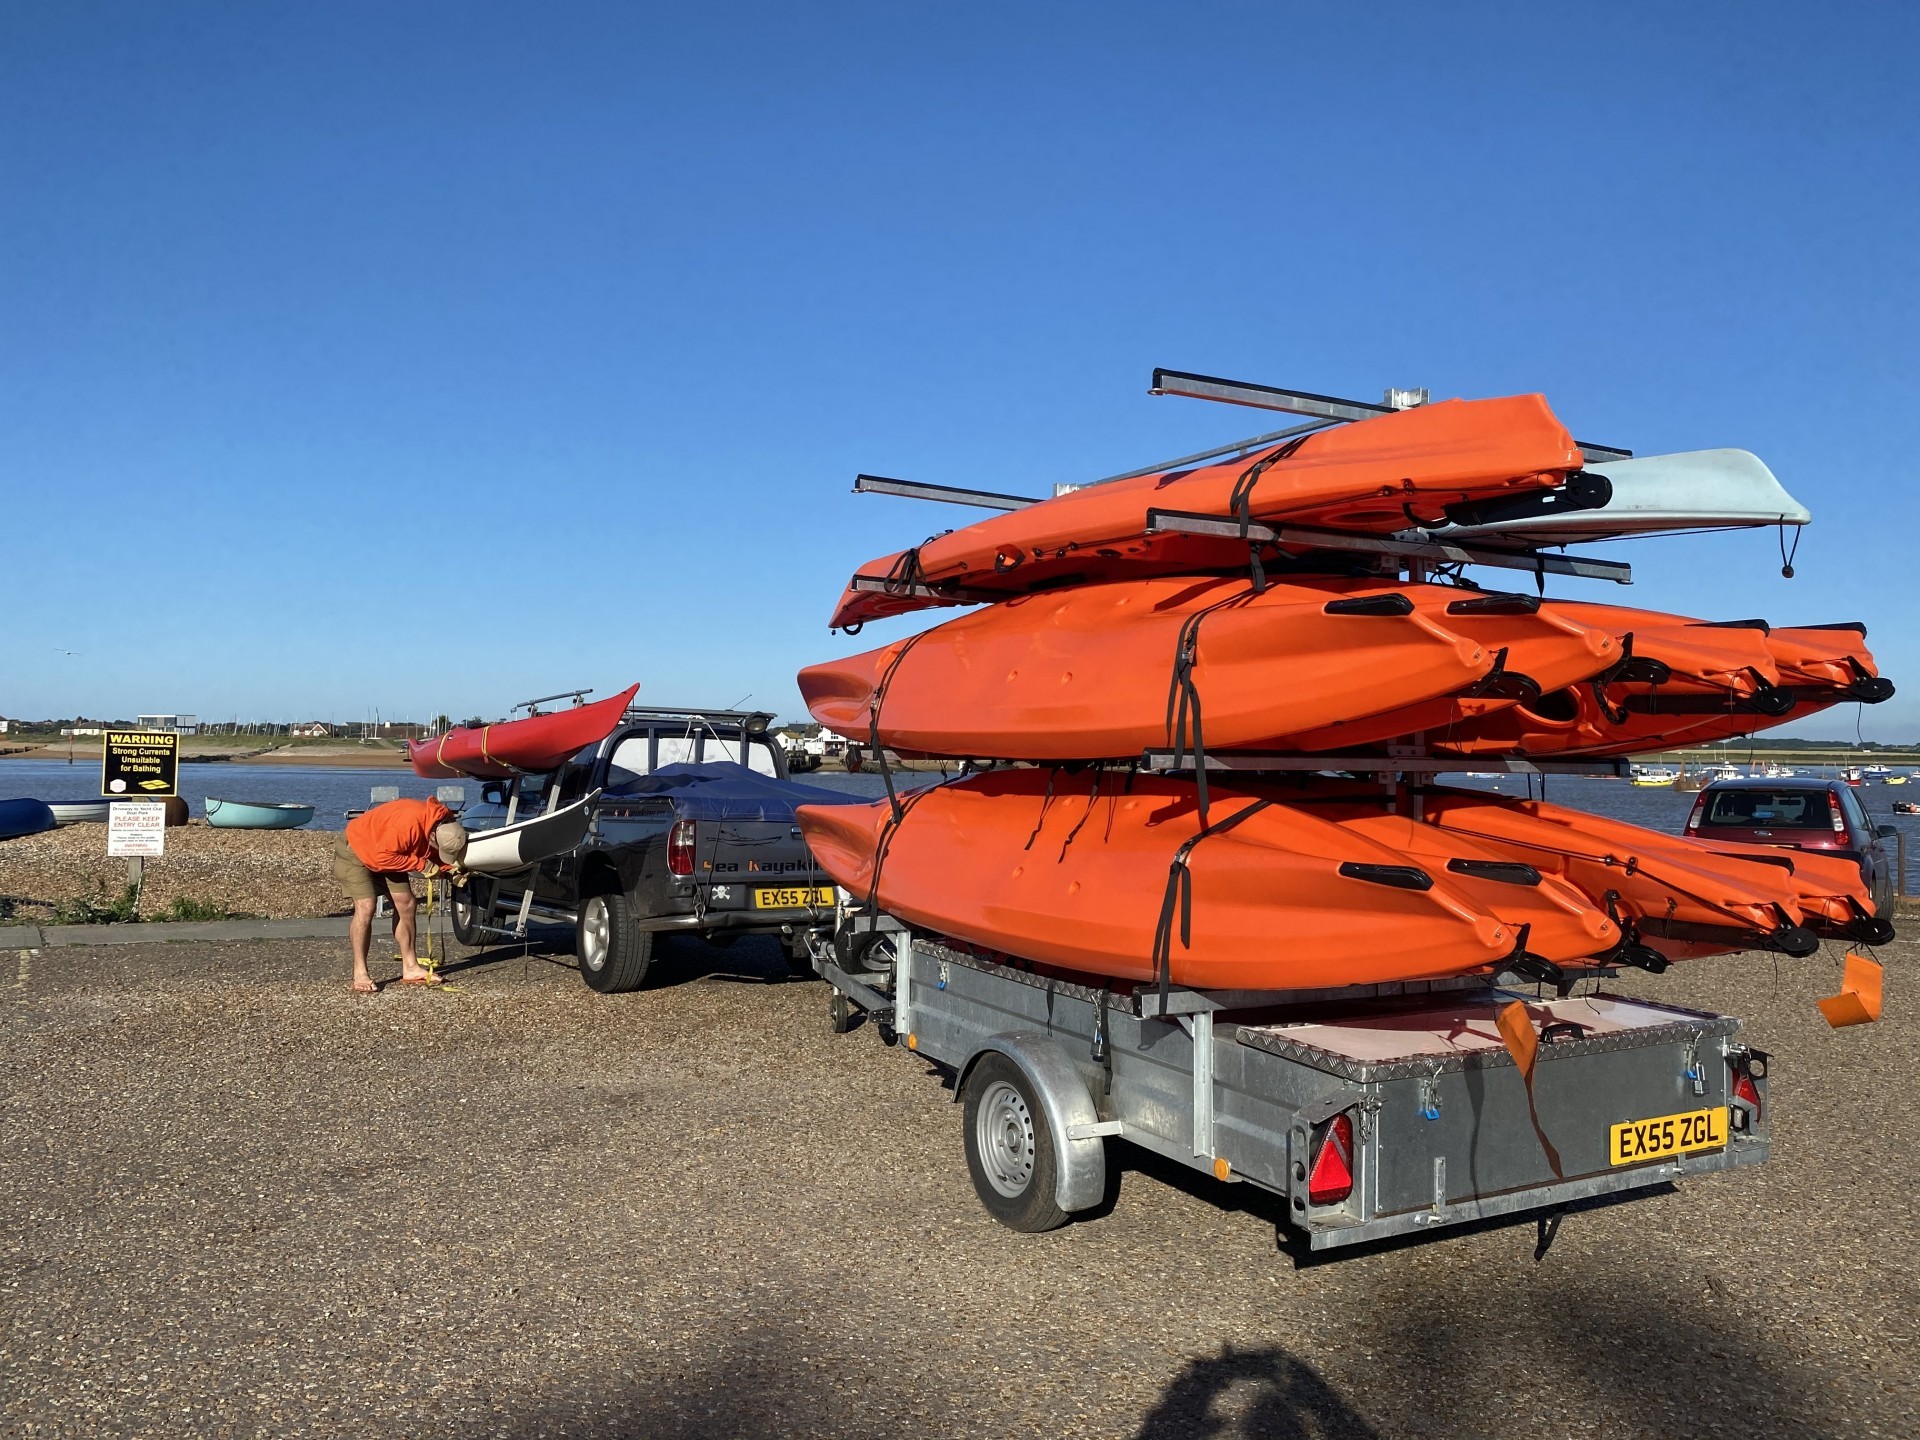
(793, 897)
(1637, 1140)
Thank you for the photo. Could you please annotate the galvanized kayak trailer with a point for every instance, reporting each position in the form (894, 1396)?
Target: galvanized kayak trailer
(1374, 1111)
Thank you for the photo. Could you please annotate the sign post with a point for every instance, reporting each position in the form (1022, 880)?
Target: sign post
(140, 763)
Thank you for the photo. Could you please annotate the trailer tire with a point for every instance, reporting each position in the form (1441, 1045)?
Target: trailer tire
(841, 1016)
(470, 908)
(1010, 1148)
(614, 952)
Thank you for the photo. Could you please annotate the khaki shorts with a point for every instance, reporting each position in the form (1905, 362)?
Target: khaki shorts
(360, 883)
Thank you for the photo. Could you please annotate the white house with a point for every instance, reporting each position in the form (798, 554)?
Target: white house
(179, 724)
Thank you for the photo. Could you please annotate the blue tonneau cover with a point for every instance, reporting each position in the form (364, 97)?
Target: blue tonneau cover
(725, 790)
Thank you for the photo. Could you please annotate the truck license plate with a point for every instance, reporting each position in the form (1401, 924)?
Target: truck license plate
(792, 897)
(1633, 1141)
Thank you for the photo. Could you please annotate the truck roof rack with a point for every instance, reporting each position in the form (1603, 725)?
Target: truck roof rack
(752, 721)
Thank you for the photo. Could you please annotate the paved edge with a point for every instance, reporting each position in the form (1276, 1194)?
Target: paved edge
(54, 937)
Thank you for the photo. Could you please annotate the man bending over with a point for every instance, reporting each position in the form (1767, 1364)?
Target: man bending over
(380, 849)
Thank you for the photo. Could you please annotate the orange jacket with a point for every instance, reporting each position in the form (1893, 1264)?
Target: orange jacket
(397, 838)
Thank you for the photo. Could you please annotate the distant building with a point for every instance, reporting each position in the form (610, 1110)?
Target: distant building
(72, 730)
(179, 724)
(5, 725)
(312, 730)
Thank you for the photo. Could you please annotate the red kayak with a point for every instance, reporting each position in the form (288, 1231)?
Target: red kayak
(515, 747)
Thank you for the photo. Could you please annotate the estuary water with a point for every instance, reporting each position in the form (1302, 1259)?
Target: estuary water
(334, 790)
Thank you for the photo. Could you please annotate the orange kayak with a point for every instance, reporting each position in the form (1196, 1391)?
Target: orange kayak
(1536, 649)
(514, 747)
(1077, 870)
(1089, 673)
(1667, 887)
(1381, 474)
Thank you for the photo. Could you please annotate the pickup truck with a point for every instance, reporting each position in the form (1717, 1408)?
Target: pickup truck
(692, 832)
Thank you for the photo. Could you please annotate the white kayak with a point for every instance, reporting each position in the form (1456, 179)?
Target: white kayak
(528, 842)
(79, 812)
(1692, 490)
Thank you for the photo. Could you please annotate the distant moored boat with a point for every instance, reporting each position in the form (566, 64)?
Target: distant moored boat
(257, 814)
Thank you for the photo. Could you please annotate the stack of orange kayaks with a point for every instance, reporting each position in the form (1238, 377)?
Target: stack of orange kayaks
(1101, 639)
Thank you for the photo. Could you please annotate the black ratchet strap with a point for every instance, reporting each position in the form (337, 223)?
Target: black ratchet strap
(1183, 698)
(1179, 898)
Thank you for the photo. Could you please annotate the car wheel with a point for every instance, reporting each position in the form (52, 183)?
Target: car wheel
(1010, 1148)
(614, 951)
(471, 910)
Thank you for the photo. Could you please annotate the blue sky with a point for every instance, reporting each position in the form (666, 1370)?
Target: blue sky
(431, 357)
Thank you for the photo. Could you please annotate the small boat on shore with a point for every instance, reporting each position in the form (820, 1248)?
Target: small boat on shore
(257, 814)
(24, 817)
(515, 847)
(79, 812)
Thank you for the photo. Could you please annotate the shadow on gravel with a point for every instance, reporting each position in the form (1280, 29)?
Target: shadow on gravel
(1256, 1394)
(1656, 1361)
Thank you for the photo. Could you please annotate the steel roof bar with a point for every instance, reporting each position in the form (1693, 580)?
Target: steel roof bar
(1302, 402)
(953, 494)
(1159, 762)
(1161, 522)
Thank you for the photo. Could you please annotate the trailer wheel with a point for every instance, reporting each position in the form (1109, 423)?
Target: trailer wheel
(470, 909)
(614, 952)
(1010, 1148)
(841, 1016)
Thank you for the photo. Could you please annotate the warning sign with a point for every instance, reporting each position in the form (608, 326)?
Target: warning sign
(137, 827)
(141, 762)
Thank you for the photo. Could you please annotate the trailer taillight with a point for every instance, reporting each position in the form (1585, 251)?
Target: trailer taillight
(1745, 1091)
(680, 848)
(1331, 1179)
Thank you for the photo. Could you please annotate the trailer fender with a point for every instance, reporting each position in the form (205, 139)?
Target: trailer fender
(1080, 1179)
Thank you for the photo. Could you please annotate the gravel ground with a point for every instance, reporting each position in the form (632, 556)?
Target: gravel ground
(281, 874)
(242, 1202)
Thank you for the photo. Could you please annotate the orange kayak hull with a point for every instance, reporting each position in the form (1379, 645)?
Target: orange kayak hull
(1088, 673)
(1376, 475)
(1071, 869)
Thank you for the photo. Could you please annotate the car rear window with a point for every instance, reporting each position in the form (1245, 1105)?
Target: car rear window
(1771, 809)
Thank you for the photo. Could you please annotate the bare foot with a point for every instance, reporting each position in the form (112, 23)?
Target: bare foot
(419, 976)
(363, 985)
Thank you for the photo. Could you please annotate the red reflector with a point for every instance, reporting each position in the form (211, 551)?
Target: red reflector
(1745, 1091)
(680, 848)
(1331, 1179)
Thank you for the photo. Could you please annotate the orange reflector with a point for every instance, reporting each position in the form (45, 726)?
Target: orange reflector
(1858, 1002)
(913, 1041)
(1221, 1169)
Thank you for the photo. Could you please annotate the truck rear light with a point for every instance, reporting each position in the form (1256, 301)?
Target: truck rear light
(1330, 1180)
(680, 848)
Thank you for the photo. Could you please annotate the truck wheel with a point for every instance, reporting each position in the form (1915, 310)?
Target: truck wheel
(470, 909)
(614, 952)
(1010, 1148)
